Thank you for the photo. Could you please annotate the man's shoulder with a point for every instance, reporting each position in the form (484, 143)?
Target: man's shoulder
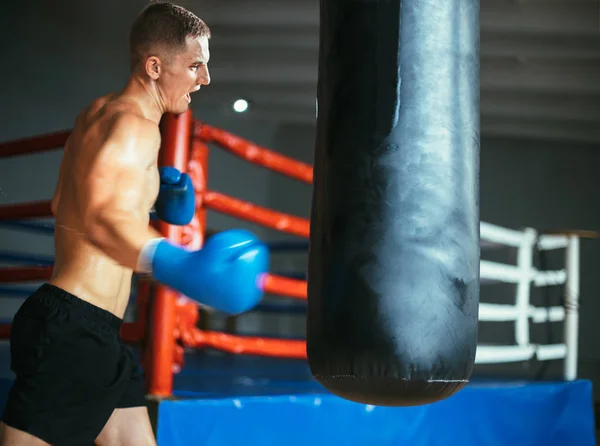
(96, 107)
(132, 122)
(110, 111)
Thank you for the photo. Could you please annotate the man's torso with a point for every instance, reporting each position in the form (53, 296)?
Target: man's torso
(80, 268)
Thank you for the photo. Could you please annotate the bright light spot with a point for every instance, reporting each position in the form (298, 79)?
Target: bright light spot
(240, 106)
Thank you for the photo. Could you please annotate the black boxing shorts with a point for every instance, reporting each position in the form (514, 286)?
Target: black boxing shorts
(72, 369)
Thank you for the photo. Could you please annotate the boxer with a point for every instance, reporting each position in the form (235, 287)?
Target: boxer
(76, 383)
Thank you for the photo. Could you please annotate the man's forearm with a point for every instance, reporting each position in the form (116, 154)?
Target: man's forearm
(122, 239)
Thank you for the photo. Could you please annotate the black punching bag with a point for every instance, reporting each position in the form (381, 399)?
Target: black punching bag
(393, 286)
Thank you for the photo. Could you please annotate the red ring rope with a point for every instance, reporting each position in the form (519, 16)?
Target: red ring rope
(41, 143)
(255, 154)
(249, 345)
(28, 274)
(284, 286)
(274, 284)
(256, 214)
(37, 209)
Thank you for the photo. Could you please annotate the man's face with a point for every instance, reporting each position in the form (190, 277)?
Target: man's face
(184, 74)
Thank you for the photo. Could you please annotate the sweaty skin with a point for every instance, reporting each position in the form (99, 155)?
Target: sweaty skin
(108, 184)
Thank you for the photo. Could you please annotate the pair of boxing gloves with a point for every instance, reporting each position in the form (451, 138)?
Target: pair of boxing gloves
(226, 274)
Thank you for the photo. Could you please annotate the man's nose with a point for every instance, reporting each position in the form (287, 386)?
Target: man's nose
(204, 78)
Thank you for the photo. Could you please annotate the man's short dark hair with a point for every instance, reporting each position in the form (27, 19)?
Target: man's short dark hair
(163, 26)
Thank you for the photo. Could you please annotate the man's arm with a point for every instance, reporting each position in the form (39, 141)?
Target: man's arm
(116, 220)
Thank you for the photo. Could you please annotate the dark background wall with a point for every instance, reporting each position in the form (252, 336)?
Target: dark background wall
(57, 58)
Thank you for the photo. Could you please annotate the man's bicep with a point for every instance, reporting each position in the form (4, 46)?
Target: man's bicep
(116, 188)
(117, 181)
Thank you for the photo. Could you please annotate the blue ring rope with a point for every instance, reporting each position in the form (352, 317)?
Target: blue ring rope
(44, 228)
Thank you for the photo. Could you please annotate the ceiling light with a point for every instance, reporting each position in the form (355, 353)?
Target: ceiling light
(240, 106)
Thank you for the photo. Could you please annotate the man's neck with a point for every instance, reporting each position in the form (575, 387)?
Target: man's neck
(146, 95)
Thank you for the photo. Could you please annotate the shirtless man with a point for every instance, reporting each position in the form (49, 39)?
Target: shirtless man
(76, 383)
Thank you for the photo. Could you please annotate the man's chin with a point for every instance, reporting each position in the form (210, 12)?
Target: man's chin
(180, 109)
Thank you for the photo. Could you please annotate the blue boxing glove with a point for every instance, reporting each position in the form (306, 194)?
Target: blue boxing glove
(176, 201)
(226, 274)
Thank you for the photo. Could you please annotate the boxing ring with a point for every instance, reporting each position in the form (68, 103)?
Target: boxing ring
(216, 388)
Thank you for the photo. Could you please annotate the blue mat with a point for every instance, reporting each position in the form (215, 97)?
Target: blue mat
(233, 400)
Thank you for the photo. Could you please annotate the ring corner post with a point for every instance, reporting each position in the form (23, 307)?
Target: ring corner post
(176, 133)
(195, 234)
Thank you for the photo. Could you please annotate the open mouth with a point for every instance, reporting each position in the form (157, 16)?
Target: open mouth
(188, 97)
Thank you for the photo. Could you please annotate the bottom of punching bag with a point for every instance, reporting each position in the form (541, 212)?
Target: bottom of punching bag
(389, 391)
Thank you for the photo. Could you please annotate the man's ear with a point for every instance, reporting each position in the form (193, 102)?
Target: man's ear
(153, 67)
